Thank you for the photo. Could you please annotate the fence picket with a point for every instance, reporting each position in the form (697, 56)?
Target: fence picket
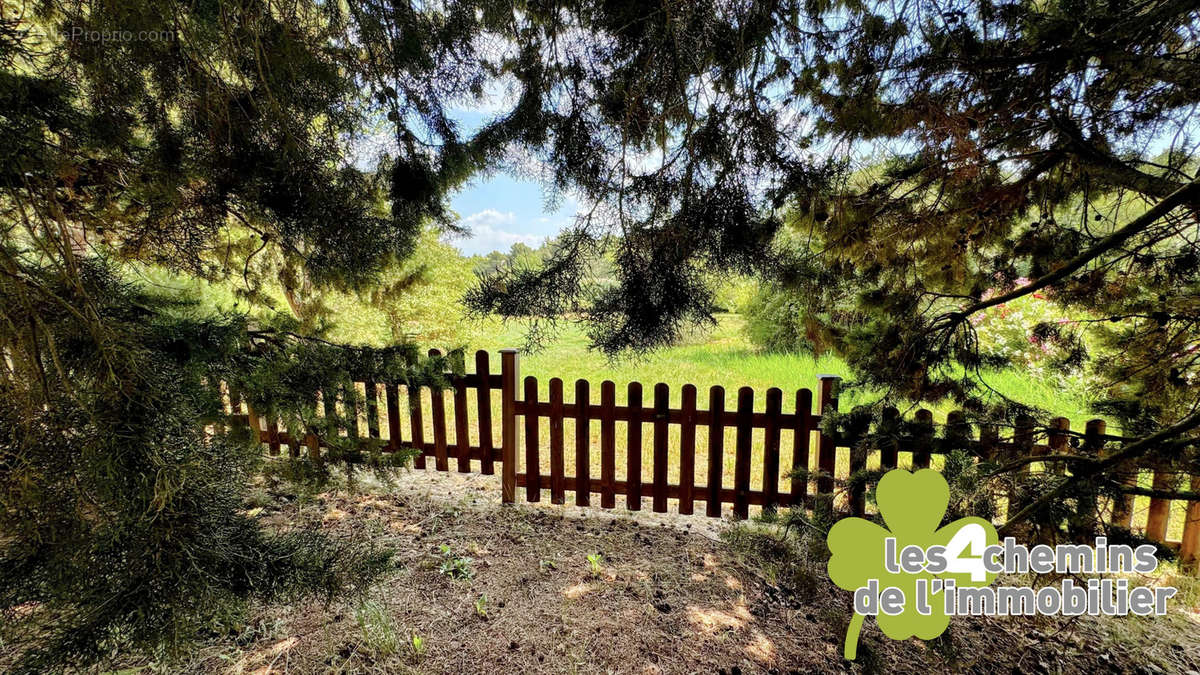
(371, 392)
(800, 446)
(921, 455)
(989, 437)
(741, 461)
(557, 468)
(858, 463)
(771, 450)
(483, 399)
(633, 448)
(462, 430)
(417, 425)
(687, 449)
(295, 439)
(437, 410)
(1022, 446)
(716, 447)
(1084, 521)
(273, 435)
(583, 445)
(608, 432)
(392, 400)
(1122, 508)
(1160, 509)
(1057, 439)
(255, 424)
(662, 408)
(1189, 547)
(827, 446)
(351, 403)
(958, 430)
(533, 464)
(889, 434)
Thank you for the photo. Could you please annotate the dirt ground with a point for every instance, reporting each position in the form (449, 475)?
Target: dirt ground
(661, 594)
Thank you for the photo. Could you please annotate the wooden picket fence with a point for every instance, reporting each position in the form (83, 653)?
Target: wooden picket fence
(759, 447)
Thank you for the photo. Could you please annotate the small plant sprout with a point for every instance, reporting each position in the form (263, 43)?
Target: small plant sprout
(417, 645)
(594, 560)
(481, 606)
(547, 565)
(455, 566)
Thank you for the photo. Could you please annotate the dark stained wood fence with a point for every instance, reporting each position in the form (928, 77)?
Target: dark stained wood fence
(532, 439)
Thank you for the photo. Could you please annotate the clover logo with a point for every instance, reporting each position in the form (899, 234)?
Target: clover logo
(912, 505)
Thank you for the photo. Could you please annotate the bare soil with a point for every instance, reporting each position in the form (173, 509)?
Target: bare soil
(668, 595)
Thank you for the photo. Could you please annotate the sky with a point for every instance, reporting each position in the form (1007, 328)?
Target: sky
(501, 210)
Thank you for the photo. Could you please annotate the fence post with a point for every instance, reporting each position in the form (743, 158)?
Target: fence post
(1160, 509)
(922, 454)
(1022, 446)
(508, 414)
(1086, 520)
(827, 448)
(1057, 438)
(1189, 548)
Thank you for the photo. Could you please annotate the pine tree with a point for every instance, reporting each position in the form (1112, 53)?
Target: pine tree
(195, 137)
(901, 168)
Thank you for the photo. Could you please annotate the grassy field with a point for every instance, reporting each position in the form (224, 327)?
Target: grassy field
(724, 357)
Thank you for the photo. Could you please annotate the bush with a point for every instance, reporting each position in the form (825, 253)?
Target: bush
(123, 525)
(775, 321)
(1033, 335)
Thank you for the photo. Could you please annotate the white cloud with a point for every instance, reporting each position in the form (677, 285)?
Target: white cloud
(490, 218)
(488, 233)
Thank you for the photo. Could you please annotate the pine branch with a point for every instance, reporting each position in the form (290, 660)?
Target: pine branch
(1188, 193)
(1132, 451)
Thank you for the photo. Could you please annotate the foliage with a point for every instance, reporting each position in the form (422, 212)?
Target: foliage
(82, 565)
(734, 293)
(421, 299)
(1031, 334)
(455, 566)
(926, 156)
(594, 562)
(229, 138)
(378, 628)
(416, 646)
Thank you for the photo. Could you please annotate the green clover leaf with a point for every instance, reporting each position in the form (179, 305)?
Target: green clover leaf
(912, 506)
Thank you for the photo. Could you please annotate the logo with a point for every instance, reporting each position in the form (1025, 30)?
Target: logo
(905, 603)
(912, 575)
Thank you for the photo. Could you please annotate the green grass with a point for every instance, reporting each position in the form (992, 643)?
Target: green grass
(724, 357)
(378, 629)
